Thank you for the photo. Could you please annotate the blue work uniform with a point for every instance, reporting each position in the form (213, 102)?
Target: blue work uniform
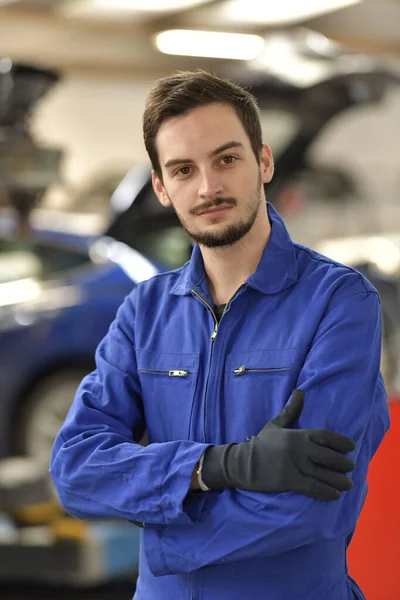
(300, 321)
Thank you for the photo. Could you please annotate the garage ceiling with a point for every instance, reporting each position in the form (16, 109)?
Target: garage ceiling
(70, 35)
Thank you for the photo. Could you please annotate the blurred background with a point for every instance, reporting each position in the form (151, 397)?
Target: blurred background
(80, 225)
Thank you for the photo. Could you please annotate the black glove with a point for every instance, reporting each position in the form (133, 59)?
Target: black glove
(280, 459)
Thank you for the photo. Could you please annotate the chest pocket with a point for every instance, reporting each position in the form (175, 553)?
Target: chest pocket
(257, 386)
(168, 383)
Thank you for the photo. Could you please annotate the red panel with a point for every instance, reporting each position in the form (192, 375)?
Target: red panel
(374, 553)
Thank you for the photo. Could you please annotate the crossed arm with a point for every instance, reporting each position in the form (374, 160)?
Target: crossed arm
(98, 471)
(344, 392)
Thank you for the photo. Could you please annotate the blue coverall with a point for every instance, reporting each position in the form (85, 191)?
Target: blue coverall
(300, 321)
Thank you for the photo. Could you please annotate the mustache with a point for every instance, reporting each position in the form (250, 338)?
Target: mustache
(213, 204)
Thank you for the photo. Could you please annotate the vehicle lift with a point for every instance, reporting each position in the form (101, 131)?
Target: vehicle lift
(40, 543)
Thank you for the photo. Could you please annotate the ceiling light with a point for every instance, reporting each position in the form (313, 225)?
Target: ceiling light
(5, 2)
(98, 7)
(211, 44)
(258, 12)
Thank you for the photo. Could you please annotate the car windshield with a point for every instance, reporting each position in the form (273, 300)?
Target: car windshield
(34, 259)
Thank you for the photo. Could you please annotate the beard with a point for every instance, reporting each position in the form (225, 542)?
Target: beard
(232, 233)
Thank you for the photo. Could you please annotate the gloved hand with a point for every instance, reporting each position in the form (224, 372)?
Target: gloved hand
(279, 459)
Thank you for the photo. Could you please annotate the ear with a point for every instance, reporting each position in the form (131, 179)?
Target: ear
(266, 163)
(159, 189)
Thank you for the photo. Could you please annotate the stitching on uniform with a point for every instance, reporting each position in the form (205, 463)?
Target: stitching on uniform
(330, 261)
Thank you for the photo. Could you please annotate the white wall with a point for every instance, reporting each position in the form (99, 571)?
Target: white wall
(97, 121)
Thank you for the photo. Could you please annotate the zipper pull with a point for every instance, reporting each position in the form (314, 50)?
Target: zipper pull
(214, 333)
(240, 370)
(178, 373)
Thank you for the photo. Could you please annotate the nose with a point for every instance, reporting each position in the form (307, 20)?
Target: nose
(210, 184)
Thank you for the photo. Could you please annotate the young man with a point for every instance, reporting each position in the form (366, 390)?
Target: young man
(244, 489)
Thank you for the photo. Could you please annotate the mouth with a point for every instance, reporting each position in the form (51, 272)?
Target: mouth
(215, 211)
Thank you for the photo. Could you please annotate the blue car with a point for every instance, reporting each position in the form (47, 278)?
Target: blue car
(58, 296)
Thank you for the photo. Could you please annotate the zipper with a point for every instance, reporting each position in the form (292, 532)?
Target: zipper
(214, 333)
(241, 370)
(212, 339)
(172, 373)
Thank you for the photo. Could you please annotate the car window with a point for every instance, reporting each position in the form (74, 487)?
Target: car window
(32, 259)
(168, 245)
(160, 236)
(153, 230)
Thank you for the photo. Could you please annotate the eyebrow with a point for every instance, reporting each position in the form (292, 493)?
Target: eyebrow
(178, 161)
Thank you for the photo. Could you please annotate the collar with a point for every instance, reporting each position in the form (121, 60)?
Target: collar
(275, 272)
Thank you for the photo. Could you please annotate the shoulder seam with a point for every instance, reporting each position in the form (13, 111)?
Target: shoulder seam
(374, 292)
(330, 261)
(174, 272)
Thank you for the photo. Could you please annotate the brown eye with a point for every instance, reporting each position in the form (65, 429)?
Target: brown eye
(228, 160)
(183, 171)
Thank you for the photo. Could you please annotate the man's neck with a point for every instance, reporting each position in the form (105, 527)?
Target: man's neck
(228, 268)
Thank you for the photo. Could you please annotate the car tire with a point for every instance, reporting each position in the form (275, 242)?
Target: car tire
(43, 413)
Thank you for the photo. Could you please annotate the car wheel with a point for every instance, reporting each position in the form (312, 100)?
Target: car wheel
(44, 412)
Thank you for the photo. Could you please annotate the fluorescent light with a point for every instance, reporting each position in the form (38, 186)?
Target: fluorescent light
(5, 2)
(98, 7)
(211, 44)
(148, 5)
(262, 12)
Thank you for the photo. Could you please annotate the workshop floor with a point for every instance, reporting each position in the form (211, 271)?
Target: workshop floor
(116, 591)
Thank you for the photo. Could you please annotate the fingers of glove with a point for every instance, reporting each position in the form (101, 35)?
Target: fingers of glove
(336, 480)
(318, 490)
(291, 412)
(331, 439)
(326, 457)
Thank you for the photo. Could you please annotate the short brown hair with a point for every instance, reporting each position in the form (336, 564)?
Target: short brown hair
(186, 90)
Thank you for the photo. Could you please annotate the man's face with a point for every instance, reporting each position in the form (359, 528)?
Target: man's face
(210, 174)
